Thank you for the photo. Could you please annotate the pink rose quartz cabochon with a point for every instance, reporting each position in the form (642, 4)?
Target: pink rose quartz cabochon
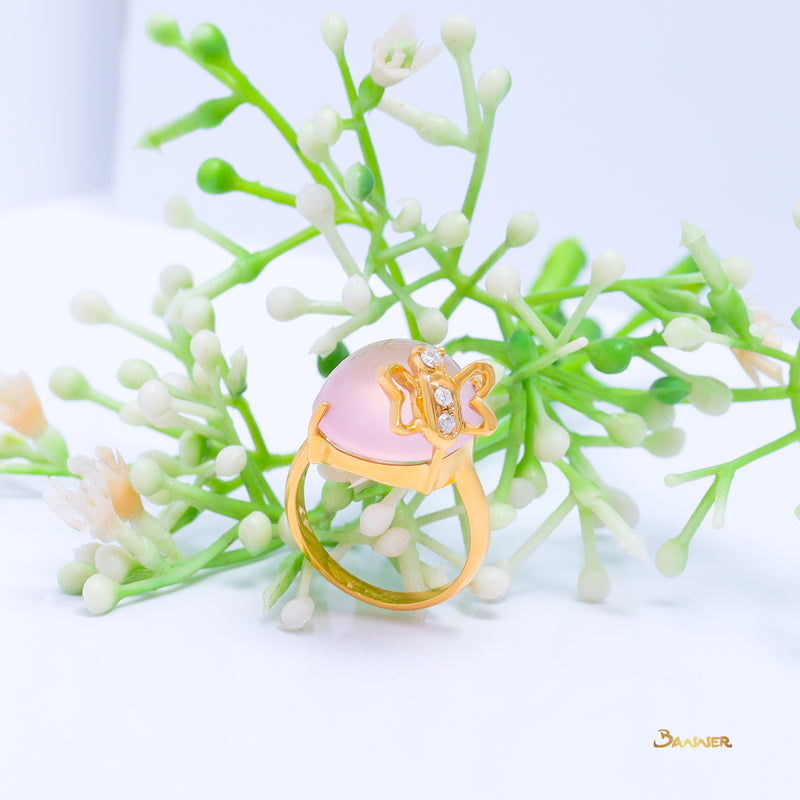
(359, 418)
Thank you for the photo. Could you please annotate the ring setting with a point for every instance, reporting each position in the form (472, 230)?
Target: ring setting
(404, 414)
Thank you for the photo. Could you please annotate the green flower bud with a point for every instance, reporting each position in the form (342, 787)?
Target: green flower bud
(730, 306)
(212, 112)
(610, 355)
(563, 264)
(328, 364)
(207, 43)
(520, 348)
(336, 496)
(589, 328)
(216, 176)
(369, 95)
(192, 448)
(670, 389)
(287, 572)
(796, 318)
(163, 30)
(681, 301)
(359, 182)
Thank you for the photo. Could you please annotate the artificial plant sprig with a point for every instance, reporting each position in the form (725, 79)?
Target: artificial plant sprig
(216, 456)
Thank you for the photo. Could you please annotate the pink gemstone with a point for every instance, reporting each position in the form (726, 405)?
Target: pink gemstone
(359, 418)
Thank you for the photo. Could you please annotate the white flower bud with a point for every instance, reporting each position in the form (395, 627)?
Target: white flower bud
(392, 543)
(161, 498)
(133, 373)
(356, 295)
(197, 315)
(174, 278)
(452, 230)
(285, 533)
(69, 384)
(334, 475)
(236, 379)
(738, 269)
(710, 396)
(432, 325)
(686, 333)
(666, 443)
(594, 584)
(285, 303)
(100, 594)
(328, 125)
(522, 492)
(658, 416)
(310, 145)
(239, 360)
(154, 400)
(435, 577)
(255, 533)
(86, 552)
(178, 213)
(491, 583)
(73, 576)
(458, 34)
(498, 369)
(200, 379)
(623, 504)
(493, 86)
(205, 349)
(626, 430)
(796, 213)
(377, 518)
(176, 380)
(326, 344)
(334, 31)
(501, 515)
(160, 304)
(230, 461)
(522, 228)
(315, 203)
(114, 562)
(91, 308)
(503, 281)
(131, 414)
(671, 557)
(296, 613)
(439, 130)
(147, 477)
(409, 216)
(607, 268)
(550, 440)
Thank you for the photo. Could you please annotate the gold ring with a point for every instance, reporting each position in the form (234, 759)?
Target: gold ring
(403, 414)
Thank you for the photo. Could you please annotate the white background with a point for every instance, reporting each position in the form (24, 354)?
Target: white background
(623, 118)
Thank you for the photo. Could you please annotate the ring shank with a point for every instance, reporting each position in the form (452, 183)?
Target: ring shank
(469, 488)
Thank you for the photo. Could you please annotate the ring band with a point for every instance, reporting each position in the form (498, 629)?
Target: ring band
(405, 425)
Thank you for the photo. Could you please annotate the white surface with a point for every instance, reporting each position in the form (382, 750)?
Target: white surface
(195, 693)
(59, 96)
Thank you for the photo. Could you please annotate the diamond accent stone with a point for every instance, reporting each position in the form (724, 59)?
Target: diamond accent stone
(431, 356)
(447, 423)
(444, 397)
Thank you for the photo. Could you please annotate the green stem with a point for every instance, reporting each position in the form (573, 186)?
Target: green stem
(736, 463)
